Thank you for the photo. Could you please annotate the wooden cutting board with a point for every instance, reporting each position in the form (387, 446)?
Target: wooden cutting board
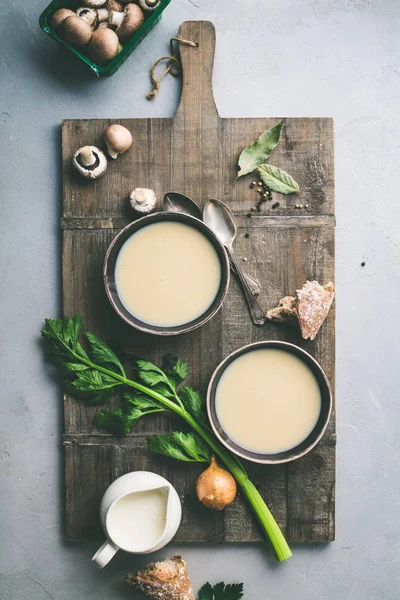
(196, 153)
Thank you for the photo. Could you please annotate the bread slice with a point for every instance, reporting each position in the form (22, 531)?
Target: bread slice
(165, 580)
(285, 312)
(309, 308)
(313, 304)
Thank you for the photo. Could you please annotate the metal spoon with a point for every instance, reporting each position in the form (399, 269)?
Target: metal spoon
(221, 220)
(176, 202)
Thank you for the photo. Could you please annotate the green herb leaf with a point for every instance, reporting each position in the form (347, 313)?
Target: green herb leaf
(277, 180)
(120, 421)
(259, 151)
(150, 374)
(220, 591)
(139, 400)
(117, 421)
(175, 369)
(81, 376)
(102, 354)
(187, 447)
(192, 401)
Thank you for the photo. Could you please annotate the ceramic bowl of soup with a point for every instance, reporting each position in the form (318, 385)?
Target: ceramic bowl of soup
(166, 273)
(269, 402)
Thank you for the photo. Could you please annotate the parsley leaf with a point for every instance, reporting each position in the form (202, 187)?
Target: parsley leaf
(150, 374)
(139, 400)
(117, 421)
(82, 377)
(175, 370)
(187, 447)
(193, 402)
(102, 354)
(220, 591)
(121, 420)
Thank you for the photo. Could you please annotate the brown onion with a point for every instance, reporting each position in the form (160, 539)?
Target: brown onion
(216, 488)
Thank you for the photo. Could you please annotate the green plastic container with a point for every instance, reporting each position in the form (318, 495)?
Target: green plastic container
(151, 20)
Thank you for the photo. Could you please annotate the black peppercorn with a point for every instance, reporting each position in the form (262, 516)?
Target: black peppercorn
(246, 235)
(275, 205)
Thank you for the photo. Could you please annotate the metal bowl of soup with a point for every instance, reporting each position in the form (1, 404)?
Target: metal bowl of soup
(269, 402)
(166, 273)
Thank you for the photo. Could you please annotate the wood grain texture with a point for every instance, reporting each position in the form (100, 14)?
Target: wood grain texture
(196, 153)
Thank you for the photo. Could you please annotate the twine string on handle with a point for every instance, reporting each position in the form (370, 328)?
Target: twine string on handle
(173, 65)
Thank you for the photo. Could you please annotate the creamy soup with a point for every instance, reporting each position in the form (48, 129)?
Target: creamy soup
(268, 401)
(167, 274)
(137, 521)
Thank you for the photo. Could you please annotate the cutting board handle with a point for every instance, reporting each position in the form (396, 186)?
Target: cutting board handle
(197, 70)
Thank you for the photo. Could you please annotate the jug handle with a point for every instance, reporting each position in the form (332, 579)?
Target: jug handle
(104, 554)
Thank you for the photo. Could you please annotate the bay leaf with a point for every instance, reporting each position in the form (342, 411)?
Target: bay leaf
(258, 152)
(277, 180)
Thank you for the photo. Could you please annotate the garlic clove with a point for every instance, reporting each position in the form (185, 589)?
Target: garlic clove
(142, 200)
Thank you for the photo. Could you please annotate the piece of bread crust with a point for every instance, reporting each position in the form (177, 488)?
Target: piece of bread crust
(165, 580)
(313, 304)
(309, 308)
(285, 312)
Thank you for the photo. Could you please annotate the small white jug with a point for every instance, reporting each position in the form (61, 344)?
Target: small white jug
(140, 513)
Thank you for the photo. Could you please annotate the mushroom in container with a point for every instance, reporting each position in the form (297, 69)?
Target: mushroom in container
(94, 3)
(127, 22)
(76, 31)
(90, 162)
(149, 5)
(59, 17)
(103, 46)
(103, 13)
(118, 139)
(88, 14)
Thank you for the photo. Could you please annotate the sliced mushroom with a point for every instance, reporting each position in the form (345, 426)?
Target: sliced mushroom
(142, 200)
(76, 31)
(103, 46)
(118, 139)
(149, 5)
(127, 22)
(90, 162)
(88, 14)
(59, 17)
(94, 3)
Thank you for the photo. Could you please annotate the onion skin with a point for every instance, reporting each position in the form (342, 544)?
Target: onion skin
(216, 488)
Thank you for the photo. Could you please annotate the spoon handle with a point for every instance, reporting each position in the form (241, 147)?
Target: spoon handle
(253, 283)
(256, 312)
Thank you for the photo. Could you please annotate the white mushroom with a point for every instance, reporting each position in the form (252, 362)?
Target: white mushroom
(59, 17)
(88, 14)
(118, 139)
(103, 46)
(75, 31)
(105, 25)
(90, 162)
(149, 5)
(94, 3)
(115, 5)
(127, 22)
(142, 200)
(102, 15)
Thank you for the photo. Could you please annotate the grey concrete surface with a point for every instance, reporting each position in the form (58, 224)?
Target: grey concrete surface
(338, 58)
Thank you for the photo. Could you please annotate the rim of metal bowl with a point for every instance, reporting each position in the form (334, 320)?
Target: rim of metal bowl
(312, 439)
(109, 270)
